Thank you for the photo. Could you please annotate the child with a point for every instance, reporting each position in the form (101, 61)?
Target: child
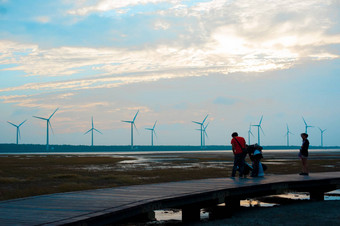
(303, 154)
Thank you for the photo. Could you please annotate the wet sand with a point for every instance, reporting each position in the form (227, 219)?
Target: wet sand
(27, 175)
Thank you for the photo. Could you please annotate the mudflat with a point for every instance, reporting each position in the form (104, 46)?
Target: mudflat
(27, 175)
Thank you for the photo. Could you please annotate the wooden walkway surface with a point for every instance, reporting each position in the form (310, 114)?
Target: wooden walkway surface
(113, 204)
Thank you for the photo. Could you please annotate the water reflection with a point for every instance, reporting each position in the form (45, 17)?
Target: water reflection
(175, 215)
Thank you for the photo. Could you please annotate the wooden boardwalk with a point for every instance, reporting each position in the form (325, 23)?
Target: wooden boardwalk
(110, 205)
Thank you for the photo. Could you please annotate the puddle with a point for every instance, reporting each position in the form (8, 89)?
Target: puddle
(163, 216)
(274, 162)
(175, 215)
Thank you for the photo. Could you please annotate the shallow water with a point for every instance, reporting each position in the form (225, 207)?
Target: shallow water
(164, 216)
(265, 151)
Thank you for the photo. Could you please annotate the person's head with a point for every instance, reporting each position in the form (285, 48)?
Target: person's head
(304, 135)
(234, 134)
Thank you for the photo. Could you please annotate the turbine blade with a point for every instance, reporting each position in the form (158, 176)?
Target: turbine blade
(92, 121)
(12, 124)
(53, 113)
(87, 131)
(51, 126)
(40, 118)
(304, 121)
(205, 127)
(262, 130)
(251, 133)
(148, 128)
(154, 125)
(127, 121)
(134, 118)
(205, 133)
(261, 120)
(136, 128)
(197, 122)
(205, 119)
(98, 131)
(22, 122)
(19, 133)
(155, 133)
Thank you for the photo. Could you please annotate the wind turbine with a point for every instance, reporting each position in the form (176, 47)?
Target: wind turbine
(322, 135)
(18, 129)
(132, 125)
(47, 126)
(201, 129)
(249, 133)
(287, 135)
(258, 130)
(152, 132)
(306, 125)
(92, 129)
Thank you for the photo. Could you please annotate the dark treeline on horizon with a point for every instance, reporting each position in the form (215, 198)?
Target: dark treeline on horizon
(8, 148)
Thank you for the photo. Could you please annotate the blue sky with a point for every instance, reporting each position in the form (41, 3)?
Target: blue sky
(175, 61)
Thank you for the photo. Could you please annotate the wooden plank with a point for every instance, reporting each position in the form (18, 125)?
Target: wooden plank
(83, 205)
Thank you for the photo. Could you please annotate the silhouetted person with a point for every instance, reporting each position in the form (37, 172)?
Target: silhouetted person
(238, 144)
(303, 154)
(255, 155)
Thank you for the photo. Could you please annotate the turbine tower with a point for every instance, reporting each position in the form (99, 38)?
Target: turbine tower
(287, 135)
(18, 129)
(258, 130)
(322, 135)
(205, 133)
(306, 125)
(152, 132)
(48, 124)
(132, 125)
(92, 129)
(201, 129)
(249, 133)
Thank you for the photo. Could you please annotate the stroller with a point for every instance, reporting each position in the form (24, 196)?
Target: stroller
(255, 154)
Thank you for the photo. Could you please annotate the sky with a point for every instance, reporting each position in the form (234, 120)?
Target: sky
(175, 61)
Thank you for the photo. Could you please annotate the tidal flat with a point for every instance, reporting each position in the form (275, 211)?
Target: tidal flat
(23, 175)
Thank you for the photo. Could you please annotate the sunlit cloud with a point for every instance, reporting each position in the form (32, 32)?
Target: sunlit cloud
(107, 5)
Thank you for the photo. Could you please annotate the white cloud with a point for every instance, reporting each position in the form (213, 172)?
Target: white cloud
(107, 5)
(159, 25)
(225, 37)
(43, 19)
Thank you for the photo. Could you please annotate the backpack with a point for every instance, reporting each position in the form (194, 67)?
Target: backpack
(254, 151)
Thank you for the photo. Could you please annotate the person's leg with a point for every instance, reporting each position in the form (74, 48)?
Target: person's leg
(255, 167)
(304, 163)
(237, 165)
(302, 166)
(241, 165)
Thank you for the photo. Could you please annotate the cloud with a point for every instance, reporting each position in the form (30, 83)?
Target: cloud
(108, 5)
(43, 19)
(219, 37)
(159, 25)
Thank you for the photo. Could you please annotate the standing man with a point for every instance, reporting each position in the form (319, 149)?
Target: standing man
(238, 144)
(304, 154)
